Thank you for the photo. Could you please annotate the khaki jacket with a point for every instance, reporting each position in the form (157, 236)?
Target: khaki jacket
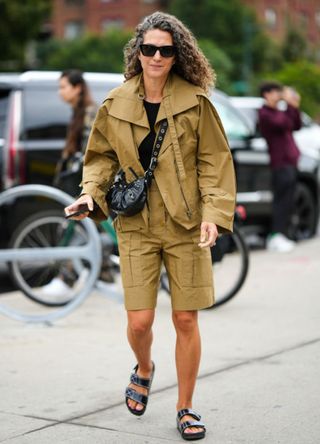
(194, 174)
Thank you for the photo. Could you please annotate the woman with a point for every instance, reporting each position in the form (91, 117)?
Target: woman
(190, 199)
(73, 90)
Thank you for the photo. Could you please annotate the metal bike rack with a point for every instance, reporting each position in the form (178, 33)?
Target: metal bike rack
(91, 252)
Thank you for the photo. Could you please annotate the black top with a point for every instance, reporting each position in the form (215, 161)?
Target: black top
(145, 148)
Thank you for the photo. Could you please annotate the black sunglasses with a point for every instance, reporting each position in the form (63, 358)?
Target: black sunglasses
(150, 50)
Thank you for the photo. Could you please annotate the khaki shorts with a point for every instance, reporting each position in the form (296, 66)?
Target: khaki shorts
(143, 250)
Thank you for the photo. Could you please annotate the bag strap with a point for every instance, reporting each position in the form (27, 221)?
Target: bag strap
(174, 138)
(155, 152)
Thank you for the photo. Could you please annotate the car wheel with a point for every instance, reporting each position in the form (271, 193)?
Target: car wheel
(303, 222)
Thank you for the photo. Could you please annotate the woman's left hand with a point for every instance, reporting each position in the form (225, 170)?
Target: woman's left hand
(208, 234)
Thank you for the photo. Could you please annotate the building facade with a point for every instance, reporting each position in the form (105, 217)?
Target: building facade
(71, 18)
(277, 15)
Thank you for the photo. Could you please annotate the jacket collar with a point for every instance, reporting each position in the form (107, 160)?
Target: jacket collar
(127, 100)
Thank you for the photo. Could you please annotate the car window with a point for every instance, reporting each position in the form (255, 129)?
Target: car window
(233, 124)
(100, 91)
(4, 103)
(306, 120)
(251, 114)
(45, 114)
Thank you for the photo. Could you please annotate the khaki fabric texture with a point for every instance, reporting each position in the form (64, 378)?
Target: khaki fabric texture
(144, 248)
(198, 185)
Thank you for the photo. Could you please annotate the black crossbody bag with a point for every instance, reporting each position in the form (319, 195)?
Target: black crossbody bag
(128, 199)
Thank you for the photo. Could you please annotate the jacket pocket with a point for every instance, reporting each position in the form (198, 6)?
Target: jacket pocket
(132, 223)
(130, 259)
(196, 267)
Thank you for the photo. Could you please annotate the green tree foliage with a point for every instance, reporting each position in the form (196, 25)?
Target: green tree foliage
(20, 22)
(294, 46)
(273, 58)
(219, 61)
(304, 76)
(231, 26)
(89, 53)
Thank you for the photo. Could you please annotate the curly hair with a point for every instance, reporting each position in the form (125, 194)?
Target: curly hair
(190, 62)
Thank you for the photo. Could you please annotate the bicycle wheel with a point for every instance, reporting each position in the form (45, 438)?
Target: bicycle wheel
(42, 230)
(230, 261)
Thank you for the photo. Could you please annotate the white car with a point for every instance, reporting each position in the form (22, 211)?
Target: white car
(307, 138)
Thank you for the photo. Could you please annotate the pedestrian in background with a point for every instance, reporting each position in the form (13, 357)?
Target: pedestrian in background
(73, 90)
(190, 200)
(276, 126)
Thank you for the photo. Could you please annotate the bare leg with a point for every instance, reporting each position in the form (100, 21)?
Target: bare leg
(140, 337)
(188, 352)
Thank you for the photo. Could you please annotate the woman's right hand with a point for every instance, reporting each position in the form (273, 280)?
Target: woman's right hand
(83, 202)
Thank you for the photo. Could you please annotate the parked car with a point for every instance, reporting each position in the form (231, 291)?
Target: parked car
(33, 121)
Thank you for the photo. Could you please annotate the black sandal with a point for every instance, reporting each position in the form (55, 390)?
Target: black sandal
(131, 393)
(182, 426)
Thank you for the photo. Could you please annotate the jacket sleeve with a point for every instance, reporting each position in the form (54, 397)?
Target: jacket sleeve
(100, 164)
(279, 121)
(295, 117)
(215, 169)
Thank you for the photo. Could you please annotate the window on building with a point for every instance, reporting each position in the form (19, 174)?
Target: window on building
(270, 18)
(112, 24)
(304, 19)
(73, 29)
(317, 18)
(74, 2)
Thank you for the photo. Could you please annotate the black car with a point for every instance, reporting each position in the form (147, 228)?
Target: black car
(33, 121)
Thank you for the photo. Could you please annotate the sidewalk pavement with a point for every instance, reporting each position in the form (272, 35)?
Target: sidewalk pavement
(259, 376)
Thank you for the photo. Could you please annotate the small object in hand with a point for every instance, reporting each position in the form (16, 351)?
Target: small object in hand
(83, 208)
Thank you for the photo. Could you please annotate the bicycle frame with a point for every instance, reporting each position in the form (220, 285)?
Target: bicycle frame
(91, 252)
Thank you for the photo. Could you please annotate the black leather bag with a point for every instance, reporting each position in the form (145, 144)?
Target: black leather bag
(128, 199)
